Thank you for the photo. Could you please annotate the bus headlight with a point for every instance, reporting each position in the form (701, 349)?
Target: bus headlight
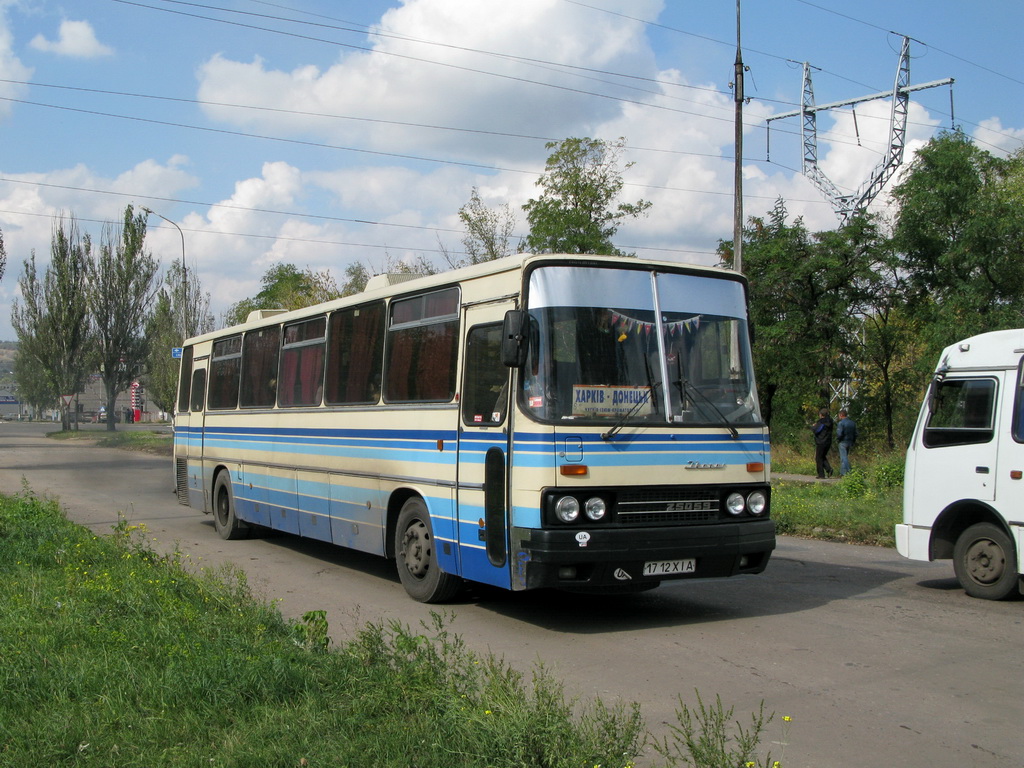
(595, 508)
(735, 504)
(757, 503)
(567, 509)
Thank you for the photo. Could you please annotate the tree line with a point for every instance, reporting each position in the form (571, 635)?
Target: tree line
(102, 307)
(853, 317)
(858, 316)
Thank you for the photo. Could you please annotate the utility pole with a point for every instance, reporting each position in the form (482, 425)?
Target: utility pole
(737, 206)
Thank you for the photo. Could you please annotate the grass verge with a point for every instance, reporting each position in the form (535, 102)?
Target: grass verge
(147, 441)
(112, 655)
(861, 508)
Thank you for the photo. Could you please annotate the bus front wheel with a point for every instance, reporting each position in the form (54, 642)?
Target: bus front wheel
(224, 520)
(985, 562)
(416, 556)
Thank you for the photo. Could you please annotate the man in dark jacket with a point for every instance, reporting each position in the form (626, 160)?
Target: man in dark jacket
(822, 443)
(846, 437)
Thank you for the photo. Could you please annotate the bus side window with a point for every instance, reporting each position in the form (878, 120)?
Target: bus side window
(260, 350)
(485, 388)
(185, 380)
(198, 390)
(355, 355)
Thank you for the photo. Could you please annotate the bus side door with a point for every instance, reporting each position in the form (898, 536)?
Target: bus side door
(194, 442)
(484, 428)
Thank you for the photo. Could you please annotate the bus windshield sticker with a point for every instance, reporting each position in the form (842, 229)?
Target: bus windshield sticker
(601, 400)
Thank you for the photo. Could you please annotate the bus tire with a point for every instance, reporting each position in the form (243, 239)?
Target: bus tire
(985, 562)
(416, 556)
(224, 520)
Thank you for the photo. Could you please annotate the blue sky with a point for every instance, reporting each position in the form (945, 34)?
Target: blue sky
(321, 133)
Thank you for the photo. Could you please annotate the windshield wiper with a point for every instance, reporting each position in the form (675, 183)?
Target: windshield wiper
(651, 384)
(685, 386)
(626, 417)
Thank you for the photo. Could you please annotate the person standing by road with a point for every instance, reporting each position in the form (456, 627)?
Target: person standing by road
(846, 437)
(822, 429)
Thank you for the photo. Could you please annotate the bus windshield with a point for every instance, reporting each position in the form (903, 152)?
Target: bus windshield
(635, 346)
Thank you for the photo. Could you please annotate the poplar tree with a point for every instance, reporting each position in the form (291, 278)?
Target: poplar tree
(52, 318)
(122, 291)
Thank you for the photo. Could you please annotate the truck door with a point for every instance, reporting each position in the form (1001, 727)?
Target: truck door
(958, 452)
(1010, 465)
(483, 462)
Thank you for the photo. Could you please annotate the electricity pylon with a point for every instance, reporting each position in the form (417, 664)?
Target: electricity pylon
(847, 205)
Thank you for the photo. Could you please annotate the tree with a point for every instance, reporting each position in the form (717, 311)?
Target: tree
(52, 318)
(123, 277)
(488, 230)
(3, 256)
(803, 298)
(181, 311)
(356, 278)
(34, 387)
(285, 287)
(959, 229)
(576, 212)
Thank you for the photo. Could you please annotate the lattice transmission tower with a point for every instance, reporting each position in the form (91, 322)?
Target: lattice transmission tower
(847, 205)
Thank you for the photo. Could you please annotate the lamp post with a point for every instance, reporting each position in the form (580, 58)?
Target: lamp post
(184, 273)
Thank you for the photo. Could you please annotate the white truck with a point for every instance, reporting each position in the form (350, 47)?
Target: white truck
(963, 495)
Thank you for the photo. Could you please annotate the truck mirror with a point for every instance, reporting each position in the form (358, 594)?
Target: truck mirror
(933, 395)
(514, 341)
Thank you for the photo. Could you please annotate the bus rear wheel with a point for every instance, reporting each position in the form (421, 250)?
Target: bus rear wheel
(985, 562)
(224, 520)
(416, 556)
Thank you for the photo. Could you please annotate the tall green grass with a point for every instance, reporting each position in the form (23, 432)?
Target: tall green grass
(863, 507)
(112, 655)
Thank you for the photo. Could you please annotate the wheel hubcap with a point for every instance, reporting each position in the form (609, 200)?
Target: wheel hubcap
(416, 549)
(985, 561)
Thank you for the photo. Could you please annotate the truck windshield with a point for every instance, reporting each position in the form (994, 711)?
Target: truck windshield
(634, 346)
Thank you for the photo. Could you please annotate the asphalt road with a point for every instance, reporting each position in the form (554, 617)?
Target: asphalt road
(879, 661)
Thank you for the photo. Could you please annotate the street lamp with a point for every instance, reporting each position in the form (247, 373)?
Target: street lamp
(184, 273)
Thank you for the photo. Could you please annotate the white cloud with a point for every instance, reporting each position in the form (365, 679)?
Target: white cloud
(11, 67)
(75, 39)
(29, 203)
(993, 137)
(393, 82)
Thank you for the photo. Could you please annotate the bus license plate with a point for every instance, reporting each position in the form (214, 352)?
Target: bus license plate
(669, 567)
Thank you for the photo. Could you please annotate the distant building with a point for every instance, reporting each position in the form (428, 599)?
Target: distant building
(10, 405)
(92, 402)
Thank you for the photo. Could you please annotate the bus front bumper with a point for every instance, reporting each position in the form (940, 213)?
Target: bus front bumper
(632, 558)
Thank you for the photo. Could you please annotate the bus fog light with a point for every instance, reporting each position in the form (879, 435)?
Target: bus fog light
(567, 509)
(596, 508)
(735, 504)
(757, 503)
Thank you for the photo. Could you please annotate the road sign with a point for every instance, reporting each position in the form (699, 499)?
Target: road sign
(176, 353)
(67, 400)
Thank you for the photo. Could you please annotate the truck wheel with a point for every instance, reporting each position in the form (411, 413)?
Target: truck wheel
(416, 556)
(985, 562)
(224, 520)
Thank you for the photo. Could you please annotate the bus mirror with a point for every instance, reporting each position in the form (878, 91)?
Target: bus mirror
(513, 338)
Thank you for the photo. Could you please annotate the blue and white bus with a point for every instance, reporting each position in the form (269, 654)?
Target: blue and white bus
(578, 422)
